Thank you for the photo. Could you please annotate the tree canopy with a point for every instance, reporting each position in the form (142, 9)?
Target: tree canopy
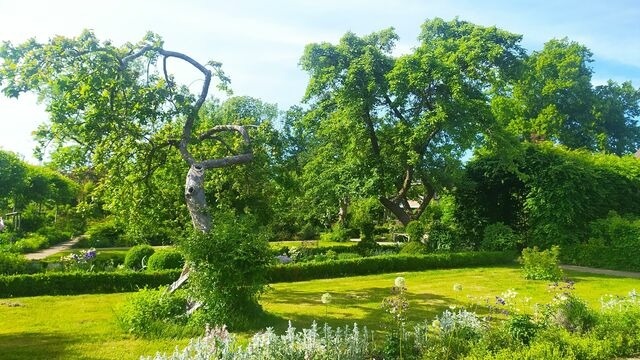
(397, 128)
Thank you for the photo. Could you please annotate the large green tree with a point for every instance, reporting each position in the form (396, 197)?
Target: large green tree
(396, 128)
(555, 100)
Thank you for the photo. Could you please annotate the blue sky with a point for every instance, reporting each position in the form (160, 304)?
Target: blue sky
(260, 42)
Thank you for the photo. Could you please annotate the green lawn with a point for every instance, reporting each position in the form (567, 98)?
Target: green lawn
(84, 327)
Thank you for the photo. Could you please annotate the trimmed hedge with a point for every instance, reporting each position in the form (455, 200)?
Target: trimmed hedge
(612, 257)
(385, 264)
(82, 282)
(110, 282)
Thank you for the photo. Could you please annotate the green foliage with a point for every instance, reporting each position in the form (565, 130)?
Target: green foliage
(338, 233)
(105, 233)
(154, 313)
(138, 256)
(229, 266)
(375, 130)
(30, 243)
(499, 236)
(11, 263)
(414, 248)
(541, 264)
(415, 230)
(308, 232)
(598, 255)
(165, 259)
(364, 214)
(60, 283)
(522, 328)
(571, 313)
(384, 264)
(548, 193)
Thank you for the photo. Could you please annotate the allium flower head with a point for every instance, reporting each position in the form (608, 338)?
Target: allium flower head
(326, 298)
(400, 282)
(457, 287)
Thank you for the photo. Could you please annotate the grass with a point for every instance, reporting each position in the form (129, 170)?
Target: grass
(70, 327)
(429, 293)
(85, 327)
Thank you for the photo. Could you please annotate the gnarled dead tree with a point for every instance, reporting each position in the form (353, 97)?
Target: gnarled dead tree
(194, 187)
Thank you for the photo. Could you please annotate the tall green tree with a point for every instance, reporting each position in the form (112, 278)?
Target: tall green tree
(396, 128)
(555, 100)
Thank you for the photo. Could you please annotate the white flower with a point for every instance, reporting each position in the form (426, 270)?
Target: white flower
(400, 282)
(457, 287)
(326, 298)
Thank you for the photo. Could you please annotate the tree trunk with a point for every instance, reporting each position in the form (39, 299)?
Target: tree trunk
(401, 214)
(196, 200)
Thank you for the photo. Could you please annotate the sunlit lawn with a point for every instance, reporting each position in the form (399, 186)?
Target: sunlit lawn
(84, 327)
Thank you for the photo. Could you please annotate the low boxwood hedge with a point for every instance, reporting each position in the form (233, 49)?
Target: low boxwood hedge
(385, 264)
(613, 257)
(56, 283)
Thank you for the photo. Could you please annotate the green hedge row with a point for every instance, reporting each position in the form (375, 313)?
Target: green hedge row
(109, 282)
(385, 264)
(613, 257)
(82, 282)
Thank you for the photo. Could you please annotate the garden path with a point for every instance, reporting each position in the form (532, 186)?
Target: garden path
(601, 271)
(39, 255)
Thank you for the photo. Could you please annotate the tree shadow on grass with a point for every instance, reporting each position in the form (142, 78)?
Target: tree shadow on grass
(33, 345)
(364, 306)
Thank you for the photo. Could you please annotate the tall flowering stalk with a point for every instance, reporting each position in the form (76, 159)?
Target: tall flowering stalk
(397, 306)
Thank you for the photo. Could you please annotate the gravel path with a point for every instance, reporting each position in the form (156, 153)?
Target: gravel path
(52, 250)
(590, 270)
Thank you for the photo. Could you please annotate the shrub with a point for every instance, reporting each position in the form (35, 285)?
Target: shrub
(165, 259)
(541, 265)
(308, 232)
(415, 230)
(231, 261)
(154, 313)
(54, 235)
(338, 233)
(499, 236)
(138, 256)
(105, 233)
(414, 247)
(31, 243)
(12, 263)
(522, 328)
(571, 313)
(62, 283)
(384, 264)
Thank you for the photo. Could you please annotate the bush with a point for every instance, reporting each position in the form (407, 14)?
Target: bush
(154, 313)
(165, 259)
(61, 283)
(105, 233)
(338, 233)
(231, 261)
(31, 243)
(12, 263)
(573, 314)
(541, 265)
(414, 248)
(415, 230)
(308, 232)
(138, 256)
(499, 237)
(384, 264)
